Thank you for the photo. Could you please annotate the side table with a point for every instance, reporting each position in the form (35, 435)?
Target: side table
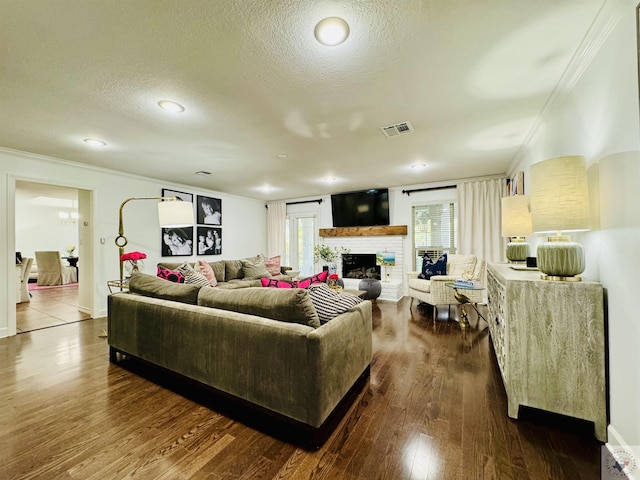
(372, 287)
(463, 300)
(118, 286)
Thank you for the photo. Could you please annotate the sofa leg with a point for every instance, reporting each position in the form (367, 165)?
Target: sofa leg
(411, 304)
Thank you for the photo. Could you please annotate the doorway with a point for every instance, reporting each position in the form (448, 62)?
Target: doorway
(54, 218)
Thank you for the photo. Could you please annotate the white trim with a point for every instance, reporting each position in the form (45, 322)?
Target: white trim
(607, 18)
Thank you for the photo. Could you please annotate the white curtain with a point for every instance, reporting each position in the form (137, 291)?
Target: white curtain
(276, 229)
(479, 226)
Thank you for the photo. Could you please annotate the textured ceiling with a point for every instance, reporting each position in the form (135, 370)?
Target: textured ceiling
(470, 76)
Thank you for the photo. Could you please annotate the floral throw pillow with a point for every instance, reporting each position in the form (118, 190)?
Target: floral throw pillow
(170, 275)
(431, 268)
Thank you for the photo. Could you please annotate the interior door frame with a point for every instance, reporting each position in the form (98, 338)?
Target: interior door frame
(86, 239)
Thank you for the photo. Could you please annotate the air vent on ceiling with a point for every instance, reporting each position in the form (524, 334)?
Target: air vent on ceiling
(397, 129)
(203, 172)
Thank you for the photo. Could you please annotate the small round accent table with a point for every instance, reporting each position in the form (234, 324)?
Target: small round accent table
(373, 288)
(463, 300)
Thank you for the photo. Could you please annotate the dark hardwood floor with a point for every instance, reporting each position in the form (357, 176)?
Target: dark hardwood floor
(434, 408)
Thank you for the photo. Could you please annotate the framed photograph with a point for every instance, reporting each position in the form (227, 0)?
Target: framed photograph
(187, 197)
(177, 242)
(209, 211)
(209, 241)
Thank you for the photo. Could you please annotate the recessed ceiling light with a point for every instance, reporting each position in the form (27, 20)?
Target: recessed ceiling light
(203, 173)
(330, 179)
(418, 166)
(282, 155)
(331, 31)
(94, 142)
(170, 106)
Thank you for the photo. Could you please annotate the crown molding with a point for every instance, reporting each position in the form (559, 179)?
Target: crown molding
(610, 13)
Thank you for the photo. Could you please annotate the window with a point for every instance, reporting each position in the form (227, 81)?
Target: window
(435, 230)
(300, 240)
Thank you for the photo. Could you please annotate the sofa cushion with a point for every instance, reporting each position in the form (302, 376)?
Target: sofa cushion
(287, 305)
(155, 287)
(218, 270)
(431, 268)
(420, 285)
(254, 269)
(205, 268)
(171, 275)
(330, 303)
(232, 270)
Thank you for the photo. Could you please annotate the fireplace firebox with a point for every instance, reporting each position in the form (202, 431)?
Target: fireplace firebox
(360, 265)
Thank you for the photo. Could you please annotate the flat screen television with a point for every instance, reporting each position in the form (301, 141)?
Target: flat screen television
(363, 208)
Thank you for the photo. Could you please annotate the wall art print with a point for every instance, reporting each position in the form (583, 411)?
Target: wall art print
(186, 197)
(209, 211)
(209, 241)
(177, 242)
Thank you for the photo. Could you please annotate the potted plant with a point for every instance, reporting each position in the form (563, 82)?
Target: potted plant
(327, 255)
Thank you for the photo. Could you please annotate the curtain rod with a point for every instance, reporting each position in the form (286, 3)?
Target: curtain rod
(409, 192)
(317, 200)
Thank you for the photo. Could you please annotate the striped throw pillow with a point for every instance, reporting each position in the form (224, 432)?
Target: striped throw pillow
(330, 303)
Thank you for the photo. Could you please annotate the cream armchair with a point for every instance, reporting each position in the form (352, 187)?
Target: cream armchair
(435, 292)
(51, 271)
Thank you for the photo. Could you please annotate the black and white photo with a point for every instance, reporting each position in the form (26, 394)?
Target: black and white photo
(177, 241)
(185, 197)
(209, 210)
(209, 241)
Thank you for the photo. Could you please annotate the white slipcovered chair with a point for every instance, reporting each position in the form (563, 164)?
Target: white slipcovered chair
(51, 270)
(24, 280)
(435, 292)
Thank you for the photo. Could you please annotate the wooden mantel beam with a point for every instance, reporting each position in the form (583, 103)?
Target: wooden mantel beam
(375, 231)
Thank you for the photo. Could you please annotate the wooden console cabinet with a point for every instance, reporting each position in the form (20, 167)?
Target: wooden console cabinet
(549, 340)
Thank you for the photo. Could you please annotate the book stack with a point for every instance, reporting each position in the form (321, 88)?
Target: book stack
(460, 282)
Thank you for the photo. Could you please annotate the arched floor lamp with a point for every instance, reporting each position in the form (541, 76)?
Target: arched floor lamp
(172, 212)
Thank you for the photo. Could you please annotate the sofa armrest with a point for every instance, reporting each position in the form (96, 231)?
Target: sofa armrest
(338, 353)
(412, 275)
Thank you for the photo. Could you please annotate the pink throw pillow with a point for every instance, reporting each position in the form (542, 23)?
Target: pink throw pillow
(273, 265)
(317, 278)
(170, 275)
(274, 283)
(207, 271)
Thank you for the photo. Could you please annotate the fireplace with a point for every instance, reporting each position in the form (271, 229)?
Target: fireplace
(360, 265)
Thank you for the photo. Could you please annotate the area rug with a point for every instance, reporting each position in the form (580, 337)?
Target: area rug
(34, 286)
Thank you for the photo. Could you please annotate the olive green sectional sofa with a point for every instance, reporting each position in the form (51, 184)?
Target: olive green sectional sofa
(263, 346)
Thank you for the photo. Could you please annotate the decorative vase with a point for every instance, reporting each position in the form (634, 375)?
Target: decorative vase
(133, 266)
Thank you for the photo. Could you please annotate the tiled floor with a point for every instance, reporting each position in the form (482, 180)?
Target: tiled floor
(49, 307)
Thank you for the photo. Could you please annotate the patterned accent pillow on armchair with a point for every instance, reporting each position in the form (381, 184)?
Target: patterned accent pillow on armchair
(431, 268)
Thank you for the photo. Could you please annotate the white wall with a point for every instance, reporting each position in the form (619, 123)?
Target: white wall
(243, 228)
(38, 227)
(598, 118)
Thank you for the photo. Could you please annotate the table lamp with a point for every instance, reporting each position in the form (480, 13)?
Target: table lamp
(560, 203)
(516, 224)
